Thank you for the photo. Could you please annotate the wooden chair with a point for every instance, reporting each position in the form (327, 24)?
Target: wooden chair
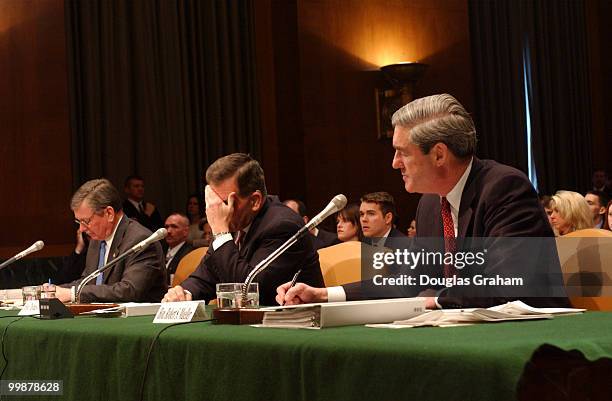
(188, 264)
(341, 263)
(586, 263)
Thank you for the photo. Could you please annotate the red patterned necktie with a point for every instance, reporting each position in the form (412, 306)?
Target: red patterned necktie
(450, 244)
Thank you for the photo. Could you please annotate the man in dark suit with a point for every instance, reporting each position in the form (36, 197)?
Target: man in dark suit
(434, 141)
(140, 278)
(248, 225)
(135, 206)
(376, 214)
(320, 238)
(177, 226)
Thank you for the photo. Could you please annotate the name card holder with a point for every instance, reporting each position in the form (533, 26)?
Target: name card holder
(30, 308)
(181, 312)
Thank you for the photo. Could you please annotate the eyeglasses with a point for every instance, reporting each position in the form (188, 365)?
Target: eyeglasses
(86, 222)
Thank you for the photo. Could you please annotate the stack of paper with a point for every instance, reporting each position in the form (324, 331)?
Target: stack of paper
(515, 310)
(342, 313)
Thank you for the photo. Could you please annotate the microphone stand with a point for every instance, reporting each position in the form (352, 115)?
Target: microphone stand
(99, 271)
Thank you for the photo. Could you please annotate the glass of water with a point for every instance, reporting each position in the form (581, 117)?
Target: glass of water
(229, 295)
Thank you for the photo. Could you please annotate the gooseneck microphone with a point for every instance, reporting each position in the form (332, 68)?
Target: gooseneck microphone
(139, 247)
(35, 247)
(336, 204)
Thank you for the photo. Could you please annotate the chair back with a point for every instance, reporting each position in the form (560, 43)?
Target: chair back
(341, 263)
(586, 262)
(188, 264)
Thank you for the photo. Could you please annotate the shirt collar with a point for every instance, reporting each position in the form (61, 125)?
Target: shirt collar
(109, 239)
(172, 251)
(136, 204)
(454, 196)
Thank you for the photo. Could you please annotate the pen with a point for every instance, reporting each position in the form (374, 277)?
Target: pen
(293, 281)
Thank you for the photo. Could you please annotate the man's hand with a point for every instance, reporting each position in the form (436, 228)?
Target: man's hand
(429, 295)
(149, 209)
(299, 294)
(63, 294)
(176, 294)
(80, 243)
(218, 213)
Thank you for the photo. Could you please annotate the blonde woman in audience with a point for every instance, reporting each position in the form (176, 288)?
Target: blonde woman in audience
(348, 225)
(570, 212)
(608, 217)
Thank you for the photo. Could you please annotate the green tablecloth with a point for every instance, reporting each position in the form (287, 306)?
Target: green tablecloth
(103, 359)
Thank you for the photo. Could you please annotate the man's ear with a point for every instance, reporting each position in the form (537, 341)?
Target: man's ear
(439, 154)
(256, 200)
(388, 218)
(110, 212)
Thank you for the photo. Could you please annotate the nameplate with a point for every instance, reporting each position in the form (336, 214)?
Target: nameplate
(30, 308)
(181, 312)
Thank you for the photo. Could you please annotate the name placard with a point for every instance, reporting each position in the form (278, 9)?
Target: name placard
(30, 308)
(177, 312)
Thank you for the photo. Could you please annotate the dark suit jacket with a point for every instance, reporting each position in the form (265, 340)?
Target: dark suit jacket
(183, 250)
(139, 278)
(152, 222)
(324, 239)
(274, 224)
(389, 241)
(497, 201)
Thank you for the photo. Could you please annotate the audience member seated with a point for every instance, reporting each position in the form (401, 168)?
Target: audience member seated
(608, 219)
(135, 207)
(545, 201)
(597, 201)
(97, 209)
(376, 214)
(247, 225)
(320, 237)
(601, 182)
(412, 229)
(195, 214)
(178, 230)
(570, 212)
(348, 225)
(207, 235)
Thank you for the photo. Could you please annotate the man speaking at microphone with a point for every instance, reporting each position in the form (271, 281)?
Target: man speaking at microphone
(247, 225)
(138, 278)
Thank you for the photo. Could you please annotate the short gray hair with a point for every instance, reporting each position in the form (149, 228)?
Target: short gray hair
(98, 194)
(438, 118)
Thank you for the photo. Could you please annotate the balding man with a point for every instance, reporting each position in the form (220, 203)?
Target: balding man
(178, 231)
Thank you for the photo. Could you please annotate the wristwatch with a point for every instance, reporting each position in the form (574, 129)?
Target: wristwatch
(217, 235)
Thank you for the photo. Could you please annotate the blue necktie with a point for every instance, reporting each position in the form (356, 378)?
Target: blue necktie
(100, 278)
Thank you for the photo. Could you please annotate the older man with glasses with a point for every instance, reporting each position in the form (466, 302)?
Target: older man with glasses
(142, 278)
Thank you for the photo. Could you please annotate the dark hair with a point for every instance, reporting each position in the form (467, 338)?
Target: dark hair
(301, 206)
(200, 206)
(545, 201)
(351, 213)
(603, 198)
(133, 177)
(248, 172)
(98, 194)
(382, 199)
(606, 225)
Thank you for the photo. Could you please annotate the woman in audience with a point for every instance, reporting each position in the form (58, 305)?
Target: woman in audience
(570, 212)
(412, 229)
(348, 225)
(608, 217)
(195, 212)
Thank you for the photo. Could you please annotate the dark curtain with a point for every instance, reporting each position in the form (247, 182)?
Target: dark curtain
(161, 89)
(544, 41)
(496, 40)
(560, 95)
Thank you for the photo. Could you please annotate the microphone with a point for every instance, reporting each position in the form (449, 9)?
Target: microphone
(139, 247)
(37, 246)
(336, 204)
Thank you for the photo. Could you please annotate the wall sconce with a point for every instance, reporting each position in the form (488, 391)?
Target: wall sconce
(396, 90)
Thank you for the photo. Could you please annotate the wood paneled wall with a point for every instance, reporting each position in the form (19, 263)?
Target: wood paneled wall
(36, 173)
(341, 44)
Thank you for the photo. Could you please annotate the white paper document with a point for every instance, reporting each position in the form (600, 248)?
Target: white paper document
(515, 310)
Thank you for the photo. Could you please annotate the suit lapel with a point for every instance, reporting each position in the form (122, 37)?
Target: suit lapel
(113, 251)
(466, 209)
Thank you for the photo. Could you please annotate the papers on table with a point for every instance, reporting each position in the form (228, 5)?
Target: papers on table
(342, 313)
(515, 310)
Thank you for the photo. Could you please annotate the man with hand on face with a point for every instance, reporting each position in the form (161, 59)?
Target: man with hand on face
(247, 225)
(138, 278)
(463, 197)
